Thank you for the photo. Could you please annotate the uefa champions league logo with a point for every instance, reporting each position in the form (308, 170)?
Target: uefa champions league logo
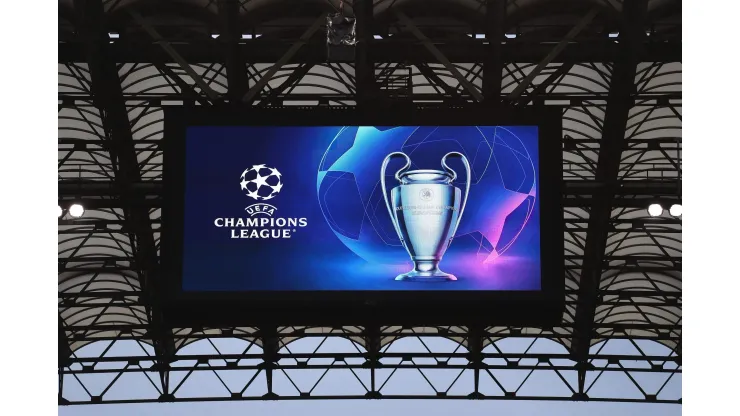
(261, 182)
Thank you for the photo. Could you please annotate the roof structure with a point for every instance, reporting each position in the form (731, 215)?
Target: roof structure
(613, 67)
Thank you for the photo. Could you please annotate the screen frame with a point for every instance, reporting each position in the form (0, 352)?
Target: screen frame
(333, 308)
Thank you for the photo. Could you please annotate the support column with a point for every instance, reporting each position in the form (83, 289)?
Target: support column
(619, 103)
(236, 68)
(364, 68)
(493, 61)
(108, 99)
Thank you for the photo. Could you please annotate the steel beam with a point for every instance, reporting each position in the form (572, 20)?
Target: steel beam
(364, 67)
(186, 89)
(63, 349)
(439, 55)
(236, 69)
(213, 95)
(292, 79)
(493, 63)
(585, 20)
(108, 98)
(395, 49)
(262, 82)
(612, 143)
(539, 90)
(436, 81)
(422, 100)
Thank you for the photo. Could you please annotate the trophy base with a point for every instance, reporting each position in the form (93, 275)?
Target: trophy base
(415, 276)
(426, 271)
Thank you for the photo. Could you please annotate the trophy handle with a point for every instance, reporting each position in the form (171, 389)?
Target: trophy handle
(398, 178)
(454, 176)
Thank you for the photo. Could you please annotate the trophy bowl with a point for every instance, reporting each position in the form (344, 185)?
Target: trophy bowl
(425, 209)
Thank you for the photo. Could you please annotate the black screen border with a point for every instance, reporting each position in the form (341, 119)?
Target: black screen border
(332, 308)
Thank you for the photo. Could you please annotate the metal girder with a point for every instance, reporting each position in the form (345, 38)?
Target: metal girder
(493, 63)
(185, 88)
(439, 55)
(108, 98)
(213, 95)
(289, 82)
(585, 20)
(612, 143)
(262, 82)
(236, 69)
(562, 70)
(278, 366)
(380, 51)
(438, 82)
(64, 351)
(422, 100)
(364, 67)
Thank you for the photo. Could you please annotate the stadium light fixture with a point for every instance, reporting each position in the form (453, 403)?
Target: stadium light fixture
(676, 210)
(655, 210)
(76, 210)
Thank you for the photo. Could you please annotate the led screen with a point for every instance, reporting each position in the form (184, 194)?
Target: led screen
(304, 208)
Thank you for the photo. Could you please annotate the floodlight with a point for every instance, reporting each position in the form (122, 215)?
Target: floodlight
(76, 210)
(655, 210)
(676, 210)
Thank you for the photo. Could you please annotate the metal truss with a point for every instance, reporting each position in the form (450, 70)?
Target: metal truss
(620, 338)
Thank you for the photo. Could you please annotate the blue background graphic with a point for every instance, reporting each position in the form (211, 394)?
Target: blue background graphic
(330, 176)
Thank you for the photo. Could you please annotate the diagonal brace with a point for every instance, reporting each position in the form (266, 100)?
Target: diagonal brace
(185, 89)
(294, 78)
(562, 70)
(585, 20)
(262, 82)
(173, 53)
(439, 55)
(436, 81)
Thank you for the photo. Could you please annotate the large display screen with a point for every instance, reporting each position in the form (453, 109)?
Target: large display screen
(291, 208)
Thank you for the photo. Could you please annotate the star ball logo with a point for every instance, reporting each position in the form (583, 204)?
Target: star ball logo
(261, 183)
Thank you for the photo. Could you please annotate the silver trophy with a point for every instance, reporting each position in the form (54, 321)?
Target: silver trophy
(426, 210)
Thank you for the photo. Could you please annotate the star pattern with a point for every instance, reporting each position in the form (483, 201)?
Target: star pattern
(262, 190)
(261, 180)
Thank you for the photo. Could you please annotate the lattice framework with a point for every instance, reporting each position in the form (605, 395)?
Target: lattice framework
(626, 346)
